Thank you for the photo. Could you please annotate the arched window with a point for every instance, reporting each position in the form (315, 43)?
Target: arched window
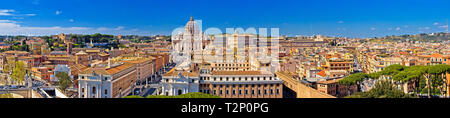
(93, 89)
(180, 92)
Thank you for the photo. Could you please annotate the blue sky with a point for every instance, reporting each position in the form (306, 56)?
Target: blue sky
(348, 18)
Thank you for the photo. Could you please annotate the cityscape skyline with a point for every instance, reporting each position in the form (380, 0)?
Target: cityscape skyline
(211, 58)
(331, 18)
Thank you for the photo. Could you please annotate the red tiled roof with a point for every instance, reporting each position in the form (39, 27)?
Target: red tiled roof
(322, 73)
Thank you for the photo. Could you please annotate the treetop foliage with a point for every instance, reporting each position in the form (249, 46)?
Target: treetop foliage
(399, 73)
(384, 89)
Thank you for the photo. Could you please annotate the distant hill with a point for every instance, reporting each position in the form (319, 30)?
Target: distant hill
(432, 37)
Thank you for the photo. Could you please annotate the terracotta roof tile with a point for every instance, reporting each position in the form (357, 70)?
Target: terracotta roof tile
(322, 73)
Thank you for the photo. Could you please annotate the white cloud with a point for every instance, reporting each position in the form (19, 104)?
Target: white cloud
(398, 28)
(71, 20)
(58, 12)
(6, 21)
(119, 28)
(102, 29)
(30, 14)
(340, 22)
(424, 28)
(8, 27)
(10, 12)
(6, 12)
(435, 23)
(5, 24)
(373, 28)
(389, 29)
(443, 26)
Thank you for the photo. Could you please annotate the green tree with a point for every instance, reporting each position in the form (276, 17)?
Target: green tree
(354, 79)
(434, 75)
(426, 79)
(9, 65)
(6, 95)
(383, 89)
(332, 43)
(18, 73)
(64, 80)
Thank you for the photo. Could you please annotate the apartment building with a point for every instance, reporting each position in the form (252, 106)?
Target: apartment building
(112, 80)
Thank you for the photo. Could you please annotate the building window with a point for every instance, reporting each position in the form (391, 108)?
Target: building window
(106, 91)
(253, 92)
(246, 92)
(234, 92)
(265, 92)
(93, 90)
(278, 91)
(82, 89)
(214, 92)
(220, 92)
(180, 92)
(240, 92)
